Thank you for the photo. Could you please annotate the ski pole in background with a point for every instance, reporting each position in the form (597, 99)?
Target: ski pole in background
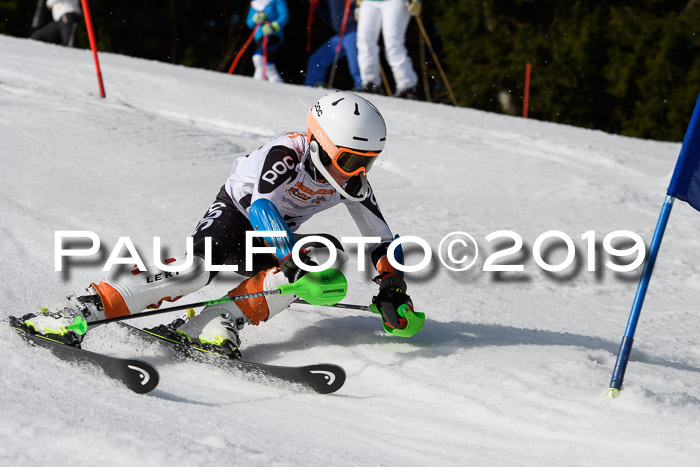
(93, 45)
(339, 46)
(424, 68)
(319, 288)
(437, 61)
(242, 51)
(526, 94)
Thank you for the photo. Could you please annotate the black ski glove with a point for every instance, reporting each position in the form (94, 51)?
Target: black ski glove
(293, 272)
(392, 294)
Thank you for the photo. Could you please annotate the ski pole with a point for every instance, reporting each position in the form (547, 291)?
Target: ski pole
(319, 288)
(414, 319)
(424, 68)
(242, 51)
(340, 43)
(204, 303)
(348, 306)
(437, 61)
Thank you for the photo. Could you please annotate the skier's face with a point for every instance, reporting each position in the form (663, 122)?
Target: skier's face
(337, 175)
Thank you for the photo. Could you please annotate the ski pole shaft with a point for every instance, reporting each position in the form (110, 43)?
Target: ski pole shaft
(424, 68)
(347, 306)
(414, 320)
(437, 61)
(333, 68)
(187, 306)
(242, 51)
(322, 288)
(339, 46)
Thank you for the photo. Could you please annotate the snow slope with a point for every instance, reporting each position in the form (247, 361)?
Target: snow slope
(511, 369)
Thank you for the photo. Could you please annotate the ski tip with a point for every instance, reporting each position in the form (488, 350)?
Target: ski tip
(144, 377)
(326, 378)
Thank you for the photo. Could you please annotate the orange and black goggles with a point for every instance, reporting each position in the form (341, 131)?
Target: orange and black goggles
(348, 161)
(352, 162)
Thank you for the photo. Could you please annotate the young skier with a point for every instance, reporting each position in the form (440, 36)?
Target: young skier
(277, 187)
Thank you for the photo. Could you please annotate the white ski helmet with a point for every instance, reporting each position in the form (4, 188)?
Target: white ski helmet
(350, 132)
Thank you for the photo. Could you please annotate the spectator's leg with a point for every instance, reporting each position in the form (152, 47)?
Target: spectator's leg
(368, 27)
(258, 63)
(49, 33)
(69, 29)
(319, 62)
(395, 19)
(350, 49)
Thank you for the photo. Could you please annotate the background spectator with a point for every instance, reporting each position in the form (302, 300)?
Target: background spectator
(333, 12)
(272, 16)
(63, 28)
(390, 17)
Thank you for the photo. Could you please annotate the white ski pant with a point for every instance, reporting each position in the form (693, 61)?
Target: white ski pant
(391, 18)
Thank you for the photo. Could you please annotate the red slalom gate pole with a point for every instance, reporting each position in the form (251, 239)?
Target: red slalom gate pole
(309, 22)
(526, 96)
(93, 45)
(264, 44)
(242, 51)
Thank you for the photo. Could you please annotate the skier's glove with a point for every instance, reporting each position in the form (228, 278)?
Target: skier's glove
(414, 7)
(270, 28)
(259, 17)
(293, 272)
(392, 294)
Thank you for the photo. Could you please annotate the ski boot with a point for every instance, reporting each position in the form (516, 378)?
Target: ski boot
(407, 93)
(216, 328)
(211, 330)
(89, 306)
(59, 325)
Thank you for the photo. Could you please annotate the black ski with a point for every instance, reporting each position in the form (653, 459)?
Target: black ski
(137, 375)
(323, 378)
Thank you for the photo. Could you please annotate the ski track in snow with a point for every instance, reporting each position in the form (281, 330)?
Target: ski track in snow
(509, 370)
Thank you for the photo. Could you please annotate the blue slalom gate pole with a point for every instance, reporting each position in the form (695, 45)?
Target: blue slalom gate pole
(623, 354)
(685, 186)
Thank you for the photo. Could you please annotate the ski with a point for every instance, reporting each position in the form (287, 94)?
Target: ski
(324, 378)
(137, 375)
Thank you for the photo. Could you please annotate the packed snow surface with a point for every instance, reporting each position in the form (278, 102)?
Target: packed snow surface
(511, 368)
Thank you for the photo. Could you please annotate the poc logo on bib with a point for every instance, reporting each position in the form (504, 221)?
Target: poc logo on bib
(278, 168)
